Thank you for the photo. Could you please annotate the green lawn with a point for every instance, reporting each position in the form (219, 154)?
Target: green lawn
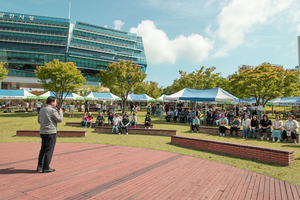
(28, 121)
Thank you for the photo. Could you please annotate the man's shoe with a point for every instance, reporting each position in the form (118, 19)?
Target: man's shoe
(223, 134)
(262, 137)
(39, 168)
(220, 134)
(126, 133)
(48, 170)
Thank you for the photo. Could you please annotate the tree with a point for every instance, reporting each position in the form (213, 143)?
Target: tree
(60, 78)
(121, 78)
(92, 88)
(265, 82)
(3, 71)
(203, 78)
(150, 88)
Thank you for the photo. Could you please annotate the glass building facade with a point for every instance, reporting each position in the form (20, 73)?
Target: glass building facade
(27, 41)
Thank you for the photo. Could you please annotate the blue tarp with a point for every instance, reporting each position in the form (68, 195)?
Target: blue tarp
(16, 94)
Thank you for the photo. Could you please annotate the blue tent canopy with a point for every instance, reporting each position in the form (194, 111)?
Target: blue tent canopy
(16, 94)
(139, 97)
(205, 95)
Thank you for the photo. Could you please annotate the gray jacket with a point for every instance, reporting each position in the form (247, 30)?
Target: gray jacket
(48, 119)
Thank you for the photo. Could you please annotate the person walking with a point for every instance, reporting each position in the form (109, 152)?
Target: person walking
(38, 106)
(48, 119)
(27, 106)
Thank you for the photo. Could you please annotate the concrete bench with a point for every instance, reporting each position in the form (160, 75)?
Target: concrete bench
(140, 131)
(215, 131)
(280, 156)
(78, 124)
(36, 133)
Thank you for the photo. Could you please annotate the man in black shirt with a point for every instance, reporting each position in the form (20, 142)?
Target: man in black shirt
(125, 123)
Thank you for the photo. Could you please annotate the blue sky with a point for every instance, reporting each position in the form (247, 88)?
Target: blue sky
(188, 34)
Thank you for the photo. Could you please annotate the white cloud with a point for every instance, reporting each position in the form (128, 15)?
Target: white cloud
(240, 17)
(118, 24)
(160, 49)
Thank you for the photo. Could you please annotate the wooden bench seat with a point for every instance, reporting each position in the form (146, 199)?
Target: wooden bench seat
(140, 131)
(78, 124)
(36, 133)
(215, 131)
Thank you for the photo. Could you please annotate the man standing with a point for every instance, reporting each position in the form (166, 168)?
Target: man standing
(48, 119)
(27, 106)
(38, 106)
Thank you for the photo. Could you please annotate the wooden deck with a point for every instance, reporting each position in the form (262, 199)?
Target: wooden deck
(94, 171)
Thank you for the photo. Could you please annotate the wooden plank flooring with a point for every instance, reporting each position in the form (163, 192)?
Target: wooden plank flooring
(95, 171)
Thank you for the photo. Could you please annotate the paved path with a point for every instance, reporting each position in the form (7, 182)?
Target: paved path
(94, 171)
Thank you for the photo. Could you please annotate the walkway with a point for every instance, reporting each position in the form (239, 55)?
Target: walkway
(94, 171)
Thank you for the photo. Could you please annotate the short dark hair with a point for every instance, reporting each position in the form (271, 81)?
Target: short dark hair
(50, 99)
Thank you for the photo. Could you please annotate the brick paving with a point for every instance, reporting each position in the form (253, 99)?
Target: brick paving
(96, 171)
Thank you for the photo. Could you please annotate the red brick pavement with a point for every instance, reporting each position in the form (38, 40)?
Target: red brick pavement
(95, 171)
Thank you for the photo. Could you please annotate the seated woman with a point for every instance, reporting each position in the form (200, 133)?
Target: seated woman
(100, 120)
(195, 123)
(89, 120)
(265, 126)
(147, 121)
(223, 125)
(110, 119)
(133, 121)
(83, 121)
(124, 125)
(254, 126)
(246, 126)
(290, 129)
(277, 129)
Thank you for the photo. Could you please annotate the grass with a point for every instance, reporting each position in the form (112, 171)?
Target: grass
(10, 122)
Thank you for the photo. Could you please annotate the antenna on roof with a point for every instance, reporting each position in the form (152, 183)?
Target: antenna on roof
(69, 9)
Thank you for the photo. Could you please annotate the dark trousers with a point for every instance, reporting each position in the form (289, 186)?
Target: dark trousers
(234, 129)
(175, 118)
(293, 134)
(222, 129)
(182, 119)
(168, 118)
(210, 121)
(122, 127)
(86, 110)
(47, 148)
(147, 124)
(38, 110)
(193, 126)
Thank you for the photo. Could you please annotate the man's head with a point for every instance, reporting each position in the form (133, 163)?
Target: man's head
(133, 114)
(51, 101)
(100, 114)
(39, 100)
(236, 117)
(125, 116)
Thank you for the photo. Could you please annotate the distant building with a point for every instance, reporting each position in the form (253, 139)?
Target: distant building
(244, 67)
(275, 65)
(295, 69)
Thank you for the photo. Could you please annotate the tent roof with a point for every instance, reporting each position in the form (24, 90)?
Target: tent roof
(215, 94)
(139, 97)
(101, 96)
(16, 94)
(70, 96)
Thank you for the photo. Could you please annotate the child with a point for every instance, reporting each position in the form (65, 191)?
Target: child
(136, 110)
(110, 119)
(133, 121)
(147, 121)
(83, 122)
(72, 107)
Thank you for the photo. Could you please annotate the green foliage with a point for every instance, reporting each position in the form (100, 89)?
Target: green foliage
(150, 88)
(121, 78)
(203, 78)
(265, 82)
(60, 78)
(3, 71)
(92, 88)
(168, 90)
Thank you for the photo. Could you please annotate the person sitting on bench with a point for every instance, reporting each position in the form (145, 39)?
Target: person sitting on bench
(218, 117)
(133, 121)
(236, 123)
(195, 123)
(182, 116)
(125, 123)
(89, 120)
(100, 120)
(190, 117)
(210, 118)
(83, 121)
(110, 119)
(176, 115)
(169, 115)
(265, 126)
(148, 121)
(223, 124)
(290, 129)
(116, 123)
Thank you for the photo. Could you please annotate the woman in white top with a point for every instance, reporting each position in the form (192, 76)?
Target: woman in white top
(277, 129)
(290, 129)
(246, 126)
(72, 107)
